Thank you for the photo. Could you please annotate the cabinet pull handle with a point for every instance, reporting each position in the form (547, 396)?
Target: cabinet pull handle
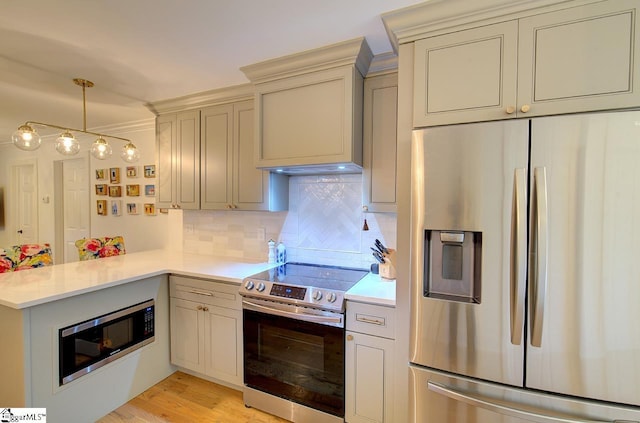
(510, 110)
(208, 294)
(363, 319)
(525, 108)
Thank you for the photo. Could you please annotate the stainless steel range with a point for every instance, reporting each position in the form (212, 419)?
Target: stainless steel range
(293, 330)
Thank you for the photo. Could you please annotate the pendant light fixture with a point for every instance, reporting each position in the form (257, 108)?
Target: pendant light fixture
(27, 138)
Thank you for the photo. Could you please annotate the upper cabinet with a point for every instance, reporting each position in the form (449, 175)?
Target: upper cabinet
(178, 160)
(309, 109)
(229, 179)
(205, 155)
(565, 60)
(380, 143)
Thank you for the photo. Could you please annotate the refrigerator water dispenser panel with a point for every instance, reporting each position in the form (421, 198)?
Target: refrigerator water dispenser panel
(452, 265)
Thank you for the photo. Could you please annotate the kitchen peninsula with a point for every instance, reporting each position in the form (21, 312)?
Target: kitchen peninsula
(35, 304)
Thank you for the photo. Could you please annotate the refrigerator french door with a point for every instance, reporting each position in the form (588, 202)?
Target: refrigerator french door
(526, 270)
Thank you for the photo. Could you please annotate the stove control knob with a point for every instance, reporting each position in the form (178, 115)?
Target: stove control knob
(248, 285)
(317, 295)
(331, 297)
(260, 287)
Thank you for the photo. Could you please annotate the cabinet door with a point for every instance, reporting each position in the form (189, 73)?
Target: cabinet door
(188, 160)
(579, 59)
(466, 76)
(379, 143)
(187, 335)
(216, 153)
(165, 150)
(368, 379)
(310, 119)
(223, 339)
(251, 187)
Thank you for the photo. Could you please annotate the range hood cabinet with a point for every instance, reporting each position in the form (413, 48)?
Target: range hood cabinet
(309, 109)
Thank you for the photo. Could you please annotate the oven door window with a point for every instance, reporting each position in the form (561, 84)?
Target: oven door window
(300, 361)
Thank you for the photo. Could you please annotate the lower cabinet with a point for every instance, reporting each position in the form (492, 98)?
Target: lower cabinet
(206, 328)
(369, 363)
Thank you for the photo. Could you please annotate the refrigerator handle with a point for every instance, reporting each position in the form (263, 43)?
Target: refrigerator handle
(505, 408)
(538, 254)
(518, 254)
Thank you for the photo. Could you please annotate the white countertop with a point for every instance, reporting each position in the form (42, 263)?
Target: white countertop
(373, 289)
(32, 287)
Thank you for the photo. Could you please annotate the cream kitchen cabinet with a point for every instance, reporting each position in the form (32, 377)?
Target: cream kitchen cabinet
(379, 143)
(178, 160)
(309, 108)
(565, 60)
(206, 328)
(229, 178)
(369, 361)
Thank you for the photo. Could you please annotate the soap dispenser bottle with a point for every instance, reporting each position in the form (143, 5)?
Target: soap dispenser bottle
(281, 253)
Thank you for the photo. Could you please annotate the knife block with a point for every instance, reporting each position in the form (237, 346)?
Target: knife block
(387, 270)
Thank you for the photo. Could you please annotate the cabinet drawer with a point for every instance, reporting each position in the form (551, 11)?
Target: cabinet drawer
(371, 319)
(206, 292)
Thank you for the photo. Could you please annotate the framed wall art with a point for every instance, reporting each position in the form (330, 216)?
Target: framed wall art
(102, 207)
(114, 175)
(133, 190)
(149, 209)
(101, 174)
(150, 190)
(102, 189)
(132, 171)
(149, 171)
(116, 207)
(115, 191)
(132, 208)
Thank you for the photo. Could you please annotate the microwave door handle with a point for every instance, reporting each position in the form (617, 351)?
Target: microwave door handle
(539, 251)
(549, 416)
(518, 254)
(291, 314)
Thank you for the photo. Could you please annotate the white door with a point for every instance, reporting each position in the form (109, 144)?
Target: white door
(25, 200)
(75, 181)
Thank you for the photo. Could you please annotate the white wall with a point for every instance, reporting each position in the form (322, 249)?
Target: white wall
(141, 232)
(323, 225)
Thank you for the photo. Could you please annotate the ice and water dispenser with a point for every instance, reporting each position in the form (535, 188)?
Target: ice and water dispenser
(452, 265)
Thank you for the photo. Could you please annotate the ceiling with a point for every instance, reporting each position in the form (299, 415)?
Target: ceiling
(141, 51)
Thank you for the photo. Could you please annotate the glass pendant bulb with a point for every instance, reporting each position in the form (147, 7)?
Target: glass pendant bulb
(130, 153)
(67, 144)
(101, 149)
(26, 138)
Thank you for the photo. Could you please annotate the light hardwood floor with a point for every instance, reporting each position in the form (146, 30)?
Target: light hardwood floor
(185, 398)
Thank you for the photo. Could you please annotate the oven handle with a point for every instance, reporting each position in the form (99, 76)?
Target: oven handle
(292, 314)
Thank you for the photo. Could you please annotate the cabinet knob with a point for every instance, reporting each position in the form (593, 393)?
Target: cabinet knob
(365, 208)
(205, 308)
(228, 206)
(349, 337)
(199, 307)
(510, 110)
(525, 108)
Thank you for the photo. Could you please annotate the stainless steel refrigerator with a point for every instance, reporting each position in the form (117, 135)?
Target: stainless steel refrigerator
(525, 297)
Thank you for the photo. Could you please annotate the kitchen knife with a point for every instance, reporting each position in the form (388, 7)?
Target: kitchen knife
(378, 257)
(381, 247)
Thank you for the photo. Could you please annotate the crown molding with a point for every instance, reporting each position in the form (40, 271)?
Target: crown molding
(355, 52)
(425, 19)
(203, 99)
(383, 63)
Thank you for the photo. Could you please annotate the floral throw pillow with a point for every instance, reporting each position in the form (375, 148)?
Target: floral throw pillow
(25, 256)
(93, 248)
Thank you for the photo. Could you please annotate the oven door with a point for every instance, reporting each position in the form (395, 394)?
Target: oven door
(300, 361)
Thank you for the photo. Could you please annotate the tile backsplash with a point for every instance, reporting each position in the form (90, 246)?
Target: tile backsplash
(323, 225)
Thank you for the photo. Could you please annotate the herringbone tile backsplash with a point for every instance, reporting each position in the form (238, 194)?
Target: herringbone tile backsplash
(323, 225)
